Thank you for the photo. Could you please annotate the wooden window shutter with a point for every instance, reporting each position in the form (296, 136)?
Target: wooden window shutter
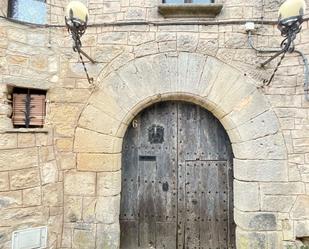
(28, 109)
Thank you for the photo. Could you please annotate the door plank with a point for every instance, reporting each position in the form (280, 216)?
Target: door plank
(165, 211)
(192, 200)
(129, 230)
(146, 203)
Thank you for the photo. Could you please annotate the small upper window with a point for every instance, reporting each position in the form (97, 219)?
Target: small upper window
(188, 1)
(28, 108)
(33, 11)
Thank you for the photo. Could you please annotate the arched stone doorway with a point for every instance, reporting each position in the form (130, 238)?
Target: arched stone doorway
(177, 180)
(232, 97)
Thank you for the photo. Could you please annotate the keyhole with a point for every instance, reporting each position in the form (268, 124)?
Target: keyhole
(165, 186)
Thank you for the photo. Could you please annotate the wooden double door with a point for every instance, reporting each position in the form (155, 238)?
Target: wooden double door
(176, 180)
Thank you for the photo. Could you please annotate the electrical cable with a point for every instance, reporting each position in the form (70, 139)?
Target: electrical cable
(155, 23)
(264, 50)
(306, 72)
(206, 23)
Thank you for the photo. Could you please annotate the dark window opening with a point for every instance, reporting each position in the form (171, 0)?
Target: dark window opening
(188, 1)
(33, 11)
(29, 108)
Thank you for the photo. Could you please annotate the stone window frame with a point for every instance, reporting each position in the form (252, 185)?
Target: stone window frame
(189, 9)
(190, 1)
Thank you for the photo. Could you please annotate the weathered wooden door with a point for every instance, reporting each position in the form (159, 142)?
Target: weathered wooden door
(176, 180)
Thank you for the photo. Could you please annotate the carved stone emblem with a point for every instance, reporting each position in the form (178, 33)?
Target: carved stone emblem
(156, 134)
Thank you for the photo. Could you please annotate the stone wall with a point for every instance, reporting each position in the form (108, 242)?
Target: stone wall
(67, 175)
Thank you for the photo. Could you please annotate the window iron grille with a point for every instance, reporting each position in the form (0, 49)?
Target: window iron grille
(28, 108)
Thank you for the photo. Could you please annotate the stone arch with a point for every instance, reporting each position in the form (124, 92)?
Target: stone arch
(257, 142)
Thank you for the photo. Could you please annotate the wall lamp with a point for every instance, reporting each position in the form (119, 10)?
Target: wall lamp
(291, 14)
(76, 21)
(290, 19)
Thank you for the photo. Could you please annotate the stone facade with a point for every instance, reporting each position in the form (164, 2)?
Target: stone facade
(67, 176)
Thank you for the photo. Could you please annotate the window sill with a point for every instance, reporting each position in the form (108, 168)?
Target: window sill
(27, 130)
(191, 10)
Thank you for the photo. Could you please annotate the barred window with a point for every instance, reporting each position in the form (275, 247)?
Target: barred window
(29, 108)
(33, 11)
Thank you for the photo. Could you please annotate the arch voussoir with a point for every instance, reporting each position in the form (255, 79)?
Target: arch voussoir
(252, 126)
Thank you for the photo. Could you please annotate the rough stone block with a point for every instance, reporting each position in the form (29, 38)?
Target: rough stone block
(240, 90)
(301, 208)
(98, 162)
(296, 158)
(121, 92)
(135, 13)
(67, 234)
(5, 109)
(136, 38)
(96, 142)
(256, 221)
(18, 159)
(108, 236)
(53, 194)
(8, 141)
(260, 126)
(72, 209)
(113, 38)
(64, 118)
(302, 228)
(109, 183)
(134, 76)
(10, 199)
(246, 196)
(39, 62)
(83, 239)
(26, 140)
(193, 63)
(96, 120)
(187, 42)
(17, 59)
(107, 209)
(260, 170)
(5, 123)
(287, 229)
(49, 172)
(247, 109)
(145, 49)
(211, 71)
(64, 144)
(224, 83)
(46, 153)
(290, 188)
(89, 209)
(20, 216)
(43, 139)
(67, 161)
(32, 197)
(68, 95)
(80, 183)
(277, 203)
(26, 178)
(258, 240)
(4, 181)
(269, 147)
